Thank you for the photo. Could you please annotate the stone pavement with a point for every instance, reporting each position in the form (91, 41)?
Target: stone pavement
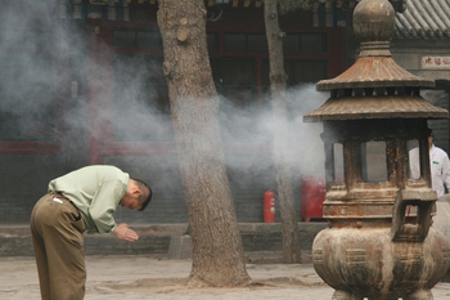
(155, 277)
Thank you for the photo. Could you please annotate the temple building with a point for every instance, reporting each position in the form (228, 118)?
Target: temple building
(81, 83)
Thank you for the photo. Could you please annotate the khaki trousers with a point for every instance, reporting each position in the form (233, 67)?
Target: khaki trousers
(57, 229)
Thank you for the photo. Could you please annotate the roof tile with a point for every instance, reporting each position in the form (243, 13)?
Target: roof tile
(421, 19)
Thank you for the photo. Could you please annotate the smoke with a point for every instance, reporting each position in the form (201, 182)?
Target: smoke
(307, 151)
(20, 84)
(304, 151)
(46, 81)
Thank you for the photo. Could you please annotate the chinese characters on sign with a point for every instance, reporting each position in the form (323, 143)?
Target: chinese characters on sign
(436, 62)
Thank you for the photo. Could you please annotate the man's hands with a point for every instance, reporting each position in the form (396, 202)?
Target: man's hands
(122, 232)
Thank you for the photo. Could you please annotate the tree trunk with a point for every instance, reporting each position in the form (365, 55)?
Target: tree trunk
(218, 256)
(291, 249)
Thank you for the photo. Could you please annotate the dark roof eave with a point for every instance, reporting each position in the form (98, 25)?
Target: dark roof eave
(327, 85)
(394, 115)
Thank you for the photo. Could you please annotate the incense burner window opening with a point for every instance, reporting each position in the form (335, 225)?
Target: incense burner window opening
(370, 167)
(373, 161)
(376, 154)
(356, 158)
(414, 172)
(338, 164)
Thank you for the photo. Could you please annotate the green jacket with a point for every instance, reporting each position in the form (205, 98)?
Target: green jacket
(96, 192)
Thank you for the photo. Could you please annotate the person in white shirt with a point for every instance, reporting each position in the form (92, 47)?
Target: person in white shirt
(439, 166)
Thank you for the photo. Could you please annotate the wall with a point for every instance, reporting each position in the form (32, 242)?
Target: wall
(408, 54)
(155, 239)
(24, 179)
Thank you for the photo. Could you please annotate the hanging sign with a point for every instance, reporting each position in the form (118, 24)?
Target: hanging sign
(436, 62)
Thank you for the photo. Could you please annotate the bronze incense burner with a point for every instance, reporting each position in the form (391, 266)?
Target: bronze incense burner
(380, 242)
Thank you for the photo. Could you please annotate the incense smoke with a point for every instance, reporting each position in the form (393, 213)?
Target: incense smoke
(47, 79)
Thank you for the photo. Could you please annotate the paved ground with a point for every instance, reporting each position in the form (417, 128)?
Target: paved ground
(143, 277)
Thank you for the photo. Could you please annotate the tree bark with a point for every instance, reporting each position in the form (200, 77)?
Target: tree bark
(278, 78)
(218, 256)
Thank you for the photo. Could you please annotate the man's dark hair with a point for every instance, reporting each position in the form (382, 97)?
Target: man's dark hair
(143, 187)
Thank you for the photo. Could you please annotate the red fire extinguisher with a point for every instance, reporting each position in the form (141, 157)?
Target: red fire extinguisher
(269, 207)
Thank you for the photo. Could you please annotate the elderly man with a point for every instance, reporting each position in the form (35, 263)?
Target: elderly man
(82, 200)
